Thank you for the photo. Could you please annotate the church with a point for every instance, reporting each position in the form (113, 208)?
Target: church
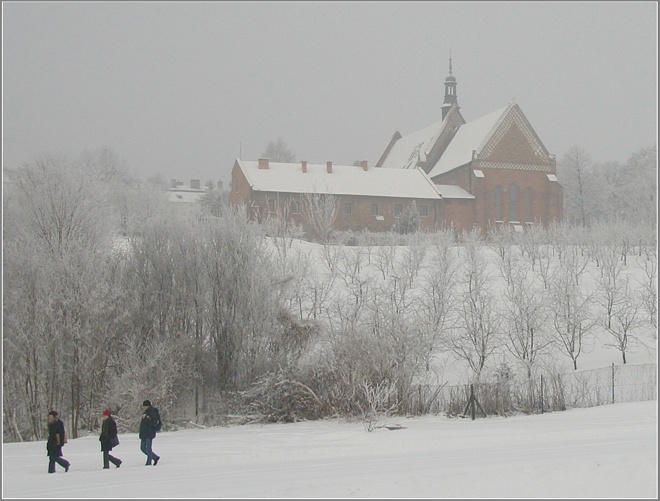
(490, 172)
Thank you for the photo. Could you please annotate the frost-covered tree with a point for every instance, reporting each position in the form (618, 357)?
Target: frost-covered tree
(526, 308)
(59, 298)
(581, 192)
(319, 211)
(278, 151)
(408, 221)
(476, 334)
(571, 317)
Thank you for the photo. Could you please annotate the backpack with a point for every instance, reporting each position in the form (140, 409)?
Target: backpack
(158, 424)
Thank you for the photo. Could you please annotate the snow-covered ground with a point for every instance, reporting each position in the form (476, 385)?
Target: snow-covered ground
(600, 452)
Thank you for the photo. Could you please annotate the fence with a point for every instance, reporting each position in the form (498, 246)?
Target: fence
(623, 383)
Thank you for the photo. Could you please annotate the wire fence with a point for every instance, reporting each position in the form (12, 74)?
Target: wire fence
(545, 393)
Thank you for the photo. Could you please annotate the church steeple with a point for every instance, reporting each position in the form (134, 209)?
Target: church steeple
(450, 92)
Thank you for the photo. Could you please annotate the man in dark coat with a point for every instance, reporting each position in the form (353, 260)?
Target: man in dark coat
(56, 439)
(148, 426)
(109, 439)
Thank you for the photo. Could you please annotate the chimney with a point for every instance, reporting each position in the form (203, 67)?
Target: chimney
(364, 165)
(304, 166)
(328, 167)
(195, 184)
(263, 163)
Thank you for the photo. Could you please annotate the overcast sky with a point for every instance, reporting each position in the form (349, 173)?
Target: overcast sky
(184, 88)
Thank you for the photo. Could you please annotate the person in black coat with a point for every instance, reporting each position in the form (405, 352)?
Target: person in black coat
(56, 439)
(148, 427)
(109, 439)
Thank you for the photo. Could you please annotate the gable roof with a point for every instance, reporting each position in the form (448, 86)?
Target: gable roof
(410, 149)
(344, 180)
(470, 137)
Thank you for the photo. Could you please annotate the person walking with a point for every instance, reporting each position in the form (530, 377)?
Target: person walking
(56, 440)
(109, 439)
(149, 425)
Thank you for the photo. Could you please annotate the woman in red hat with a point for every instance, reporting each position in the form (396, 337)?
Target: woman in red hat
(109, 439)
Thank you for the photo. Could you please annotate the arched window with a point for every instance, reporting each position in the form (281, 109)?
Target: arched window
(498, 203)
(513, 202)
(528, 205)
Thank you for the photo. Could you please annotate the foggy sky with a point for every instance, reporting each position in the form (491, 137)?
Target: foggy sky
(182, 89)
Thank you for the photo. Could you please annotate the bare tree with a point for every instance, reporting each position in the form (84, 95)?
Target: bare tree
(649, 289)
(436, 309)
(623, 320)
(571, 317)
(475, 337)
(278, 151)
(527, 314)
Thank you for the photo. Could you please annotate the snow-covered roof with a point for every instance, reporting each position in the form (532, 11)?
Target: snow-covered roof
(415, 146)
(189, 196)
(344, 180)
(452, 191)
(470, 137)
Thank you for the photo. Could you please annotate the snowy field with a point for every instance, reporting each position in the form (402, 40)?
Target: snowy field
(600, 452)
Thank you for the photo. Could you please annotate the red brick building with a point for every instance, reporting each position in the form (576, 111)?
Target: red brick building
(362, 197)
(497, 159)
(489, 172)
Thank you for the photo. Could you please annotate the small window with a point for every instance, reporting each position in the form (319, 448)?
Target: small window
(295, 207)
(423, 210)
(348, 209)
(374, 209)
(271, 206)
(398, 210)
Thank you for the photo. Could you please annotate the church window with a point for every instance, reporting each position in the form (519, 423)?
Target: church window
(271, 206)
(528, 204)
(513, 202)
(398, 210)
(498, 203)
(423, 210)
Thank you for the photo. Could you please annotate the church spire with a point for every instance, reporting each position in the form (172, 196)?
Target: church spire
(450, 91)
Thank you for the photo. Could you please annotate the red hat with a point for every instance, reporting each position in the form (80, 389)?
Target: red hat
(107, 412)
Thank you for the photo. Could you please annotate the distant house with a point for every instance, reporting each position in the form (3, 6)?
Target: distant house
(365, 198)
(489, 172)
(185, 194)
